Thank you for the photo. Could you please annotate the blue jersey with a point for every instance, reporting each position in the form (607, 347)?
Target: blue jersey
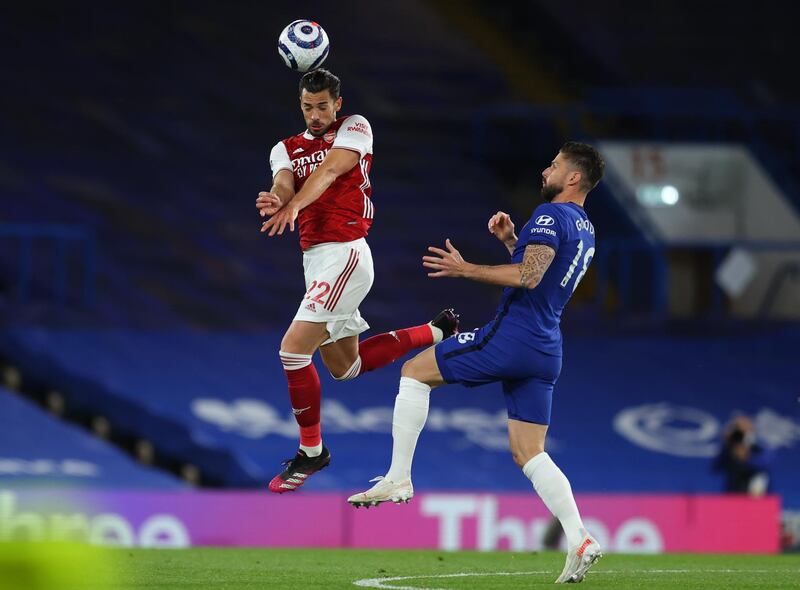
(521, 347)
(533, 315)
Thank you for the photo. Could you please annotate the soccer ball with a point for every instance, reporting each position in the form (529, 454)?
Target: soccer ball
(303, 45)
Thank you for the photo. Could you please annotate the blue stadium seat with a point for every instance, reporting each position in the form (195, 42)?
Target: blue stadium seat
(39, 450)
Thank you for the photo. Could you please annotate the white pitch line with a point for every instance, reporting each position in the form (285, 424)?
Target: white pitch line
(381, 583)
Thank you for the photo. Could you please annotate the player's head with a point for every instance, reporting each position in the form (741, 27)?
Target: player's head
(576, 169)
(320, 100)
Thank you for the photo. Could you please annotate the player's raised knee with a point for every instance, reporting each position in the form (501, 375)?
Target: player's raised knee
(423, 368)
(293, 344)
(344, 371)
(410, 368)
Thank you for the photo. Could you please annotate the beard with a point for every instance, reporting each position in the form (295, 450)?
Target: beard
(551, 191)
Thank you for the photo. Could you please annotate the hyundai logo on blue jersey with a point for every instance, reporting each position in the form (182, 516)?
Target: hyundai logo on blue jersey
(544, 220)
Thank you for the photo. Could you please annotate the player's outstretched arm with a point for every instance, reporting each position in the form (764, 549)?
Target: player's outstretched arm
(502, 227)
(282, 191)
(338, 161)
(535, 262)
(528, 274)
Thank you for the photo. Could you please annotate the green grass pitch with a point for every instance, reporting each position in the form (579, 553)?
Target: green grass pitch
(260, 569)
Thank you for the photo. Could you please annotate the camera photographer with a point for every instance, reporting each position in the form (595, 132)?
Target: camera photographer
(741, 460)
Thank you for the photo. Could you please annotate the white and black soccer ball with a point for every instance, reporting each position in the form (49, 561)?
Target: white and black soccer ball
(303, 45)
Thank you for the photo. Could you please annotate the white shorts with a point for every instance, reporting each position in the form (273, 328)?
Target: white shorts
(338, 277)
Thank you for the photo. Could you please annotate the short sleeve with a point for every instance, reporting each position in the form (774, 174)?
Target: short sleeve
(545, 227)
(279, 159)
(355, 134)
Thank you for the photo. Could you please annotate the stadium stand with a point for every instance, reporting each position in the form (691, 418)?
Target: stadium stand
(162, 167)
(619, 65)
(162, 310)
(42, 451)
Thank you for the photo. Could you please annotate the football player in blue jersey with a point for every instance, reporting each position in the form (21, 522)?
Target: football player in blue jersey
(520, 347)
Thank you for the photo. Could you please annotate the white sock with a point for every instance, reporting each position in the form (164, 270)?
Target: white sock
(438, 335)
(553, 488)
(410, 413)
(314, 451)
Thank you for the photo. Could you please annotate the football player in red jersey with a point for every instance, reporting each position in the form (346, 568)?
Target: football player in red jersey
(321, 184)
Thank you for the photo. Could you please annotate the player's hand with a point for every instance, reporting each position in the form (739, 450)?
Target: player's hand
(446, 263)
(278, 222)
(502, 227)
(268, 203)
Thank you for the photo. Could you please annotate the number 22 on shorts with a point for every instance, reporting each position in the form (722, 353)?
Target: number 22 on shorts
(324, 289)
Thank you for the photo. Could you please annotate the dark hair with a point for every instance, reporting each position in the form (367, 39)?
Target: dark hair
(736, 436)
(319, 80)
(587, 160)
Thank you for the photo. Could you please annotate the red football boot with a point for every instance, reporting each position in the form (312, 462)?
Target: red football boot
(298, 470)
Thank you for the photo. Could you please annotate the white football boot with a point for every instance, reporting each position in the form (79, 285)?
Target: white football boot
(579, 560)
(383, 491)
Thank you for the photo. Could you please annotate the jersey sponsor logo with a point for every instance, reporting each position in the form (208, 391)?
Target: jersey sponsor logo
(545, 220)
(298, 150)
(543, 230)
(305, 165)
(360, 128)
(315, 158)
(311, 307)
(584, 225)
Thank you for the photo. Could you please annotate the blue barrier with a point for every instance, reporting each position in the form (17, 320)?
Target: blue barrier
(632, 413)
(37, 449)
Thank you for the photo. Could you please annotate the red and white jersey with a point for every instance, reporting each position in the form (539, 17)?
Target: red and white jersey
(344, 212)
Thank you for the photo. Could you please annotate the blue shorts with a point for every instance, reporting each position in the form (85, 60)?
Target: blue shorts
(487, 355)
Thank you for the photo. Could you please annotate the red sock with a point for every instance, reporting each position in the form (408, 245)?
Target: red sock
(305, 393)
(310, 436)
(380, 350)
